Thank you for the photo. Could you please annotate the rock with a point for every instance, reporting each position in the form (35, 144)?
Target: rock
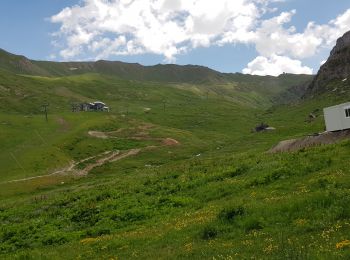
(336, 68)
(261, 127)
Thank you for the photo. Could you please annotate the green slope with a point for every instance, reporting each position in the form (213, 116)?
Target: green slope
(19, 64)
(232, 201)
(169, 73)
(216, 194)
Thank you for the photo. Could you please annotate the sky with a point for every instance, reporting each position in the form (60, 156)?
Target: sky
(261, 37)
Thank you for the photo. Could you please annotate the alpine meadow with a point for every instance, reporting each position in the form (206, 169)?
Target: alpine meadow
(114, 160)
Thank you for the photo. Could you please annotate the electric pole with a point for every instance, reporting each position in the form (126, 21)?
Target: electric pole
(164, 103)
(45, 106)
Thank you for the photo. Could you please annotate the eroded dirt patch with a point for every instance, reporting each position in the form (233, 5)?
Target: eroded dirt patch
(99, 134)
(170, 142)
(139, 133)
(309, 141)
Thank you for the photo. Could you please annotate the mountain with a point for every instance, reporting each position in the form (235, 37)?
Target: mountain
(19, 71)
(133, 71)
(170, 73)
(334, 75)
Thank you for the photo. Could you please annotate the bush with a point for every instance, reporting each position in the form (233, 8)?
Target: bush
(54, 239)
(88, 215)
(209, 232)
(230, 214)
(252, 224)
(242, 169)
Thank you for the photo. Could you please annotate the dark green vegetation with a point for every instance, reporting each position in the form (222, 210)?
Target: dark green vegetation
(216, 194)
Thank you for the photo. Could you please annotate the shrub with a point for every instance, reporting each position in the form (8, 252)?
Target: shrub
(230, 214)
(54, 239)
(209, 232)
(88, 215)
(237, 171)
(252, 224)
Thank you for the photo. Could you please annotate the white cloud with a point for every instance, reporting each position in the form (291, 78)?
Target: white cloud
(274, 41)
(165, 27)
(276, 65)
(102, 28)
(273, 37)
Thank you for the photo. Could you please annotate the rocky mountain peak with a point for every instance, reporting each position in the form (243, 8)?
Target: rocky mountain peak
(334, 75)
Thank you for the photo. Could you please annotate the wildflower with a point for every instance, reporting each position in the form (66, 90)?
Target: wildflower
(88, 240)
(343, 244)
(189, 247)
(269, 249)
(300, 222)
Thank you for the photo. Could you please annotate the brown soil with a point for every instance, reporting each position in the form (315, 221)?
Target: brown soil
(99, 134)
(139, 133)
(170, 142)
(309, 141)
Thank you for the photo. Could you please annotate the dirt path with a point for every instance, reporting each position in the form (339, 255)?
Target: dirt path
(108, 156)
(61, 171)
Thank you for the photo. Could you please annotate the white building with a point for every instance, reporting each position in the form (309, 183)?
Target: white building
(337, 117)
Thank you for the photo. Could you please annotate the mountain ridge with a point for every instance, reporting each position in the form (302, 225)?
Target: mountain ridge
(189, 73)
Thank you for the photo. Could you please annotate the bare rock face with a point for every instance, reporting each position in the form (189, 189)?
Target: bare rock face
(335, 70)
(342, 43)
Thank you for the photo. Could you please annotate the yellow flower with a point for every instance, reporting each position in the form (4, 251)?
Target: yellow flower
(300, 222)
(342, 244)
(189, 247)
(88, 240)
(270, 248)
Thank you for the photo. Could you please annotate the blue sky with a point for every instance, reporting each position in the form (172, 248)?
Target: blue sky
(230, 36)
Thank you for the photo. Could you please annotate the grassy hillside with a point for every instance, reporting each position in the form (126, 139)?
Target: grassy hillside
(172, 172)
(231, 201)
(19, 64)
(219, 113)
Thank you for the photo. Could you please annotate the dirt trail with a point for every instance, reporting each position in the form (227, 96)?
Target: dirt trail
(309, 141)
(62, 171)
(139, 133)
(108, 156)
(114, 156)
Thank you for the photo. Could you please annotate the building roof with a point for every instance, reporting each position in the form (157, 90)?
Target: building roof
(99, 102)
(339, 105)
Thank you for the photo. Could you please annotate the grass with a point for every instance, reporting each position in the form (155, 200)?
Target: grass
(217, 194)
(269, 207)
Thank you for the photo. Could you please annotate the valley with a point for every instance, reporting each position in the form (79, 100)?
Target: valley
(174, 170)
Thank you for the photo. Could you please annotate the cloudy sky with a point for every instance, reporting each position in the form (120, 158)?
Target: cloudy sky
(250, 36)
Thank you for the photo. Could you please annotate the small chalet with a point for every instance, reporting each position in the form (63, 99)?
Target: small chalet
(95, 106)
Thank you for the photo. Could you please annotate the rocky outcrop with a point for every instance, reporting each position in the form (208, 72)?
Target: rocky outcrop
(336, 69)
